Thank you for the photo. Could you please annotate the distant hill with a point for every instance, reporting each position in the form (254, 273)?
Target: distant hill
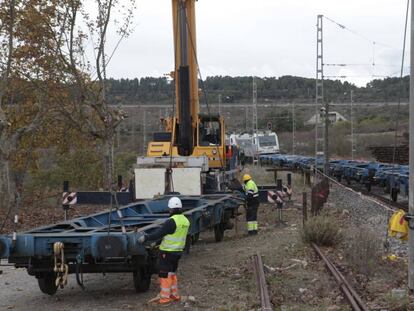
(239, 89)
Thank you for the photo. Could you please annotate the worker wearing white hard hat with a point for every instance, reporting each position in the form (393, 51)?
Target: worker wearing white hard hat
(174, 234)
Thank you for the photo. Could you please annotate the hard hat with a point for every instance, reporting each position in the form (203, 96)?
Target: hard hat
(246, 177)
(175, 202)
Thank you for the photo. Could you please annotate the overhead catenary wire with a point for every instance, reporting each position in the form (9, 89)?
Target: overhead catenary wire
(371, 41)
(359, 65)
(356, 76)
(202, 85)
(401, 86)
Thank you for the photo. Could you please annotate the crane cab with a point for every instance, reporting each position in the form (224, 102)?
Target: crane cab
(208, 140)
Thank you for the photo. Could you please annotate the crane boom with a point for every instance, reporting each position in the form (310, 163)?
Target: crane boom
(189, 133)
(189, 156)
(185, 72)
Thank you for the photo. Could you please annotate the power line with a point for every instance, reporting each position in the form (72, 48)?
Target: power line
(357, 76)
(373, 42)
(361, 65)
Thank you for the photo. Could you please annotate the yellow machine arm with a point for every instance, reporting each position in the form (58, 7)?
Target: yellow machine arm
(188, 133)
(185, 51)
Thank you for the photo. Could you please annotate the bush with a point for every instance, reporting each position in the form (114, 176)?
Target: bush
(321, 230)
(82, 168)
(363, 251)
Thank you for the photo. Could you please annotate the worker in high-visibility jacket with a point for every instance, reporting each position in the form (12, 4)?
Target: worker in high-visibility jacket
(252, 203)
(174, 234)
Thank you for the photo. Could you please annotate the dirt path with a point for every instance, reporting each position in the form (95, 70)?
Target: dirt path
(218, 275)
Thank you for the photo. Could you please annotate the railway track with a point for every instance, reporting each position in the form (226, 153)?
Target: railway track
(261, 283)
(376, 196)
(349, 292)
(387, 201)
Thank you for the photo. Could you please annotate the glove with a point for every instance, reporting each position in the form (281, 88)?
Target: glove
(142, 238)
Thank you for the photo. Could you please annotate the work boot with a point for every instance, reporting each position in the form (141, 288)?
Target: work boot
(165, 284)
(156, 302)
(174, 287)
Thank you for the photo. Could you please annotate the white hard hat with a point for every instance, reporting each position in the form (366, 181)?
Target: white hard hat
(175, 202)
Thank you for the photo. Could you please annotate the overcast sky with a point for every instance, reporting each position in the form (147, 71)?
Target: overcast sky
(269, 38)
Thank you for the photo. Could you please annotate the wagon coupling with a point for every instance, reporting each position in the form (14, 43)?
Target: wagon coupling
(61, 269)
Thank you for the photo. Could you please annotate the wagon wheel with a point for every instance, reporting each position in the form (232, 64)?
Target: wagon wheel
(142, 279)
(195, 239)
(47, 283)
(188, 243)
(387, 187)
(219, 232)
(394, 194)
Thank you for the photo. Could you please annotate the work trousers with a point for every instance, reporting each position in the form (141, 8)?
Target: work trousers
(251, 217)
(168, 262)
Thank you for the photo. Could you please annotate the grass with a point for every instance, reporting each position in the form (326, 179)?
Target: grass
(322, 230)
(363, 251)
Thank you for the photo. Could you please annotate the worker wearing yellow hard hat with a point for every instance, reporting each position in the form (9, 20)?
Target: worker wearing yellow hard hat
(252, 203)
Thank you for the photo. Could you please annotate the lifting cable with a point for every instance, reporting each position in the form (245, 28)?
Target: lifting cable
(114, 197)
(169, 186)
(204, 89)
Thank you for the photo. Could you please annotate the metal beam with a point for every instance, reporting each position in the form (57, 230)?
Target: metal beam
(411, 176)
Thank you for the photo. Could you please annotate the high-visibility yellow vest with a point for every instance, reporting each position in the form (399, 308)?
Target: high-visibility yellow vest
(251, 187)
(176, 242)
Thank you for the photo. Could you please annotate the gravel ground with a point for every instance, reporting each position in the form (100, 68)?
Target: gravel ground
(365, 215)
(219, 276)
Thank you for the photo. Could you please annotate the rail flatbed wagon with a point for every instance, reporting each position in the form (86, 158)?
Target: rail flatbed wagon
(108, 241)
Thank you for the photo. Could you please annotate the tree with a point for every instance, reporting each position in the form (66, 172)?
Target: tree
(82, 96)
(21, 107)
(49, 92)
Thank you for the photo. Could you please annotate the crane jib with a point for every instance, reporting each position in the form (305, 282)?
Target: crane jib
(185, 132)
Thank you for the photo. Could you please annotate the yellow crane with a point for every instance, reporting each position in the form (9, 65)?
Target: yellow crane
(189, 133)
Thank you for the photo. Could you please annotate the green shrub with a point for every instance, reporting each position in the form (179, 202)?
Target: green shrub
(321, 230)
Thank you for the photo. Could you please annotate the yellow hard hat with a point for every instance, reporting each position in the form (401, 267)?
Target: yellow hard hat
(246, 177)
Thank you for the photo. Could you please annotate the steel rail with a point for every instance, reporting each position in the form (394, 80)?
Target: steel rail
(392, 204)
(383, 199)
(377, 198)
(351, 295)
(261, 283)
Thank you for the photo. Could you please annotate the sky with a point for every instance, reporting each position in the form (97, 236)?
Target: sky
(269, 38)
